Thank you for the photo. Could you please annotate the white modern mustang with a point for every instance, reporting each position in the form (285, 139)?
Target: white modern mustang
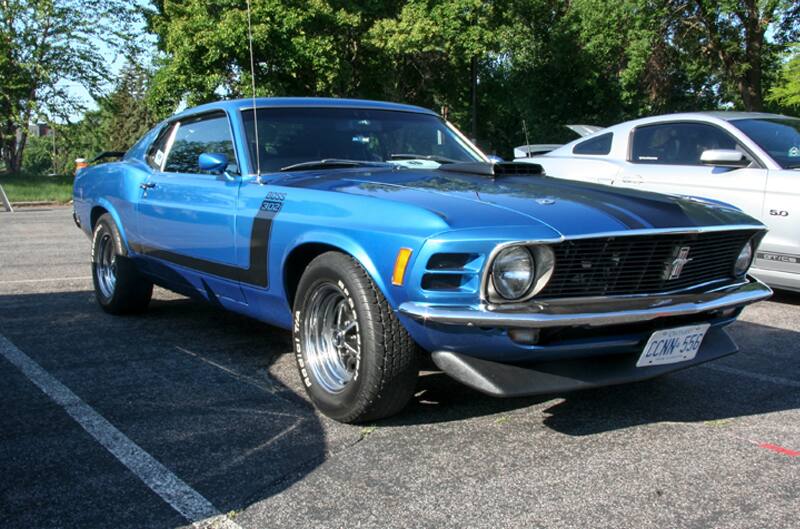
(749, 160)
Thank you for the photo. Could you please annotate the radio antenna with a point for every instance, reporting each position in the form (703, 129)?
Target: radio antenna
(253, 88)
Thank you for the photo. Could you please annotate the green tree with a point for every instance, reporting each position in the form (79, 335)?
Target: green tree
(544, 78)
(436, 52)
(122, 117)
(785, 94)
(301, 47)
(418, 52)
(125, 114)
(730, 40)
(522, 64)
(44, 45)
(627, 43)
(672, 55)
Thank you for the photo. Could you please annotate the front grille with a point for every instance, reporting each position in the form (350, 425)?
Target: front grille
(641, 264)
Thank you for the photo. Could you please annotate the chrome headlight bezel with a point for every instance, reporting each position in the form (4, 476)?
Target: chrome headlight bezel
(512, 260)
(744, 260)
(542, 265)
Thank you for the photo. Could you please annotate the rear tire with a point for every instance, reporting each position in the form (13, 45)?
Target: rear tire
(118, 286)
(355, 359)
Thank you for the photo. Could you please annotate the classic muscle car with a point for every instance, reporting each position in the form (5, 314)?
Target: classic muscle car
(378, 233)
(748, 159)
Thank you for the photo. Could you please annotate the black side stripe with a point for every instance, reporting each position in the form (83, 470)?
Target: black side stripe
(256, 274)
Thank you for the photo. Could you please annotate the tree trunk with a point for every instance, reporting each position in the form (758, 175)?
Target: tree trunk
(16, 153)
(750, 90)
(8, 149)
(751, 93)
(12, 151)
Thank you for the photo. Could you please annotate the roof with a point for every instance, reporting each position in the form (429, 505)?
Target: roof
(731, 115)
(304, 102)
(724, 115)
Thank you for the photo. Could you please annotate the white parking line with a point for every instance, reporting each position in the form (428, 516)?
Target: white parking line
(757, 376)
(180, 496)
(45, 280)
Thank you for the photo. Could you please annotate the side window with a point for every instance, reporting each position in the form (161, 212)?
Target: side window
(209, 134)
(157, 150)
(597, 146)
(677, 143)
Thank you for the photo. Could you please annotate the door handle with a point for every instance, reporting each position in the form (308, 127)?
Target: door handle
(147, 185)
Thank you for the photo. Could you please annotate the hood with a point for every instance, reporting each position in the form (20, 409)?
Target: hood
(570, 207)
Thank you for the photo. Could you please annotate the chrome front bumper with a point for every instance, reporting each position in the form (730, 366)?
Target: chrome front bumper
(591, 312)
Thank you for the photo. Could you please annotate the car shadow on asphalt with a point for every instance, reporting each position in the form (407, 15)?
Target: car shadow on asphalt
(188, 383)
(698, 394)
(788, 297)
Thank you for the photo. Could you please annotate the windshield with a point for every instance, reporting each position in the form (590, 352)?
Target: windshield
(779, 137)
(291, 136)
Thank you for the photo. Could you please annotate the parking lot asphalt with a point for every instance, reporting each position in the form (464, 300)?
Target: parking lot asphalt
(212, 400)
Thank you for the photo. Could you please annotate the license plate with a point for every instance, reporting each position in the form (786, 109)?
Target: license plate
(673, 345)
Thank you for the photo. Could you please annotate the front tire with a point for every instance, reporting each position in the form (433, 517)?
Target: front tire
(118, 286)
(355, 359)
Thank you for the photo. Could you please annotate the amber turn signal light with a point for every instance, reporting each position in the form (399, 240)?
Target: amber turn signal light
(400, 265)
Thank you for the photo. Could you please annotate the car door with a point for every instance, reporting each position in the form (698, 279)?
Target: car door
(780, 249)
(186, 216)
(665, 158)
(779, 139)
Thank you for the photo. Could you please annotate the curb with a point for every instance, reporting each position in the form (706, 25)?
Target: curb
(40, 203)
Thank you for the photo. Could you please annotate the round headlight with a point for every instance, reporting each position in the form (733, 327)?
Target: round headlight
(744, 260)
(513, 271)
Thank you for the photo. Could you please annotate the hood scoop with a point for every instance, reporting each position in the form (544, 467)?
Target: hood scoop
(493, 170)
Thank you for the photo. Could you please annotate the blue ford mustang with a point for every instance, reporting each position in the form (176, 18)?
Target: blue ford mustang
(379, 234)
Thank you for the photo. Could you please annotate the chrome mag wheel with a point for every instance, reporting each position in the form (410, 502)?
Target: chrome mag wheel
(331, 338)
(106, 265)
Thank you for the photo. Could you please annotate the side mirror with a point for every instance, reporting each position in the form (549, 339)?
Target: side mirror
(724, 158)
(213, 162)
(495, 159)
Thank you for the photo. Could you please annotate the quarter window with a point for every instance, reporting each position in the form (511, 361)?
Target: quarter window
(209, 134)
(597, 146)
(677, 143)
(156, 152)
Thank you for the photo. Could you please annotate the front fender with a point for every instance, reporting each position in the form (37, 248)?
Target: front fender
(375, 264)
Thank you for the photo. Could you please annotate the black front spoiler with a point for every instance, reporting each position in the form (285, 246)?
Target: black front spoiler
(518, 380)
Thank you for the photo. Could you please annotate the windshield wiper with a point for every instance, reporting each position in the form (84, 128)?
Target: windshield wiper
(431, 157)
(328, 163)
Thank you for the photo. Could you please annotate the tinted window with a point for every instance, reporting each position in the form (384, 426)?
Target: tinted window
(677, 143)
(155, 154)
(288, 136)
(779, 137)
(209, 134)
(598, 145)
